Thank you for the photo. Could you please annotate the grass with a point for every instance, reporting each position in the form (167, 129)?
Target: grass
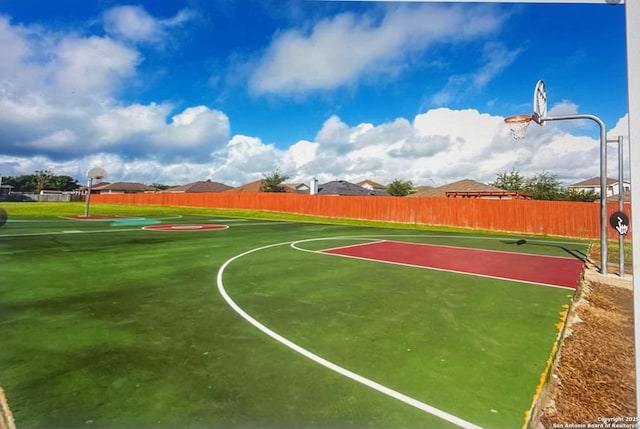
(114, 327)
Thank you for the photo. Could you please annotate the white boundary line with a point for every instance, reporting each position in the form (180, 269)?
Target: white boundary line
(327, 364)
(341, 247)
(482, 250)
(66, 232)
(29, 234)
(186, 227)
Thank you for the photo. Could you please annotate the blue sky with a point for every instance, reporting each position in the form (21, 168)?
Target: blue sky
(230, 90)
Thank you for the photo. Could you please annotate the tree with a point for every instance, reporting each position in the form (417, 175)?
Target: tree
(23, 183)
(580, 195)
(41, 179)
(159, 186)
(512, 181)
(544, 186)
(44, 180)
(273, 182)
(65, 183)
(400, 188)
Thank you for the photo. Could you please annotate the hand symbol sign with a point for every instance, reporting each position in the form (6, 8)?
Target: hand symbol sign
(621, 227)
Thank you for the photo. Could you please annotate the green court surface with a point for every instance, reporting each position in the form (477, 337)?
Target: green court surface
(106, 324)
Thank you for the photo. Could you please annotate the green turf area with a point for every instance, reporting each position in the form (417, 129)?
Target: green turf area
(104, 324)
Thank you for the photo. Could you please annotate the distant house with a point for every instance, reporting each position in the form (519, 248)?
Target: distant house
(298, 188)
(372, 186)
(422, 188)
(342, 187)
(468, 188)
(82, 189)
(199, 187)
(593, 184)
(251, 187)
(256, 186)
(121, 188)
(5, 190)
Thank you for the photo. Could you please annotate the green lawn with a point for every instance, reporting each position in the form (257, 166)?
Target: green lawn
(106, 325)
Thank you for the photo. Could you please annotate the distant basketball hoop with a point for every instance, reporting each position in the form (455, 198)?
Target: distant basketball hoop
(95, 173)
(518, 125)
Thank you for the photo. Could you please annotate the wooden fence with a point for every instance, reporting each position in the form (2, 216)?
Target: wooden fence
(559, 218)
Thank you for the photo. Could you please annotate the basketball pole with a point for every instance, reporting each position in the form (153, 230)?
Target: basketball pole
(620, 141)
(603, 180)
(88, 200)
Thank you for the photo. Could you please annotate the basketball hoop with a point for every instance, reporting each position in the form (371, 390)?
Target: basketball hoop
(518, 125)
(96, 173)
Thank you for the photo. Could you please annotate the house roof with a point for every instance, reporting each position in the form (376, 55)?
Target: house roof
(297, 188)
(342, 187)
(93, 186)
(248, 187)
(372, 184)
(253, 187)
(421, 188)
(592, 183)
(201, 186)
(462, 186)
(123, 187)
(465, 188)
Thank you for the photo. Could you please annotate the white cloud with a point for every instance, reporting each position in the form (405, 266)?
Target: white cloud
(195, 126)
(496, 57)
(620, 129)
(334, 132)
(142, 130)
(58, 100)
(134, 23)
(565, 107)
(340, 50)
(118, 123)
(439, 146)
(91, 67)
(302, 153)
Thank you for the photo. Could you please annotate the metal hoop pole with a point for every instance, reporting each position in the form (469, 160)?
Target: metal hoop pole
(86, 208)
(620, 141)
(621, 199)
(603, 181)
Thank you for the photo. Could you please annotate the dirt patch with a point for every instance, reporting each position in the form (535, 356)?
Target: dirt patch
(6, 418)
(593, 378)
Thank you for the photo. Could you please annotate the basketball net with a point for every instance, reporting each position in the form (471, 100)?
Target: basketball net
(518, 125)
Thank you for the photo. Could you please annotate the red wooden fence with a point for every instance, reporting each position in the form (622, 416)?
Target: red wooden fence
(560, 218)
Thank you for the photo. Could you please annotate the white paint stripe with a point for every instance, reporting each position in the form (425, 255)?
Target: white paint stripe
(327, 364)
(114, 230)
(482, 250)
(65, 232)
(101, 219)
(348, 246)
(228, 220)
(265, 223)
